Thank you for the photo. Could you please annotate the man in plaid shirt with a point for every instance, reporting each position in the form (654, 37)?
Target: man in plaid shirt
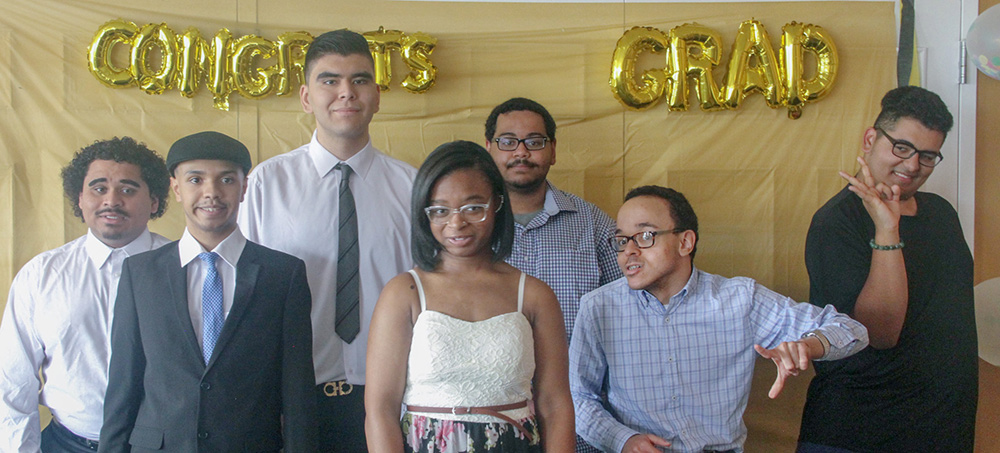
(558, 237)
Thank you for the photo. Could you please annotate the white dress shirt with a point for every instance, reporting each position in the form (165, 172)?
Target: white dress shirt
(292, 205)
(58, 320)
(229, 250)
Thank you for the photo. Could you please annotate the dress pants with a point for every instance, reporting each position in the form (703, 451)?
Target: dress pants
(806, 447)
(57, 439)
(341, 413)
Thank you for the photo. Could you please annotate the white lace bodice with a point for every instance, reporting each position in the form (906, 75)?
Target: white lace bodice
(461, 363)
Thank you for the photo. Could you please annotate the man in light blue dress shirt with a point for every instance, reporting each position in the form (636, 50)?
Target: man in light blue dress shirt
(674, 347)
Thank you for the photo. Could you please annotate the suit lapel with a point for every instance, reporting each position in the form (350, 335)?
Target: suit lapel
(246, 279)
(177, 285)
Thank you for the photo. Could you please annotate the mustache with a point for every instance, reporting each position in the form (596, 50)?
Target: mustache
(112, 211)
(525, 162)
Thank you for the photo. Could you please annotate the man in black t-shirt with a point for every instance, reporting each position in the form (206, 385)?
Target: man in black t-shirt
(896, 260)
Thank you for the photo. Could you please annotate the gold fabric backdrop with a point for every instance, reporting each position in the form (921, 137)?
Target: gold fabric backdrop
(754, 176)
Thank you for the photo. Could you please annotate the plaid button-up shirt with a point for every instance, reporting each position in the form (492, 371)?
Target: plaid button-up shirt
(566, 246)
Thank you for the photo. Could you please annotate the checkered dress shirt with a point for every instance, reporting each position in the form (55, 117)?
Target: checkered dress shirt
(566, 247)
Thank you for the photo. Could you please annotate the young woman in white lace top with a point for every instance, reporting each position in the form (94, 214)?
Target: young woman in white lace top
(471, 348)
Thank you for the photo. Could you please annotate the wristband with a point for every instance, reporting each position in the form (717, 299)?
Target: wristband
(875, 246)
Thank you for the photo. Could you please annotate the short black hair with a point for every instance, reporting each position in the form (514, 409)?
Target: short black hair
(518, 105)
(917, 103)
(341, 42)
(443, 161)
(680, 210)
(126, 149)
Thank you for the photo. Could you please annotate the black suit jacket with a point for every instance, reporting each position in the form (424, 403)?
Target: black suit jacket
(161, 395)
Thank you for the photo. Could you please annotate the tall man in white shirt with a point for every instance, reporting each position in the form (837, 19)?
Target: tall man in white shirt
(58, 315)
(295, 203)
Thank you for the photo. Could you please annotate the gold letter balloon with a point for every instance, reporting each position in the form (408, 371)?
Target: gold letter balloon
(692, 52)
(155, 59)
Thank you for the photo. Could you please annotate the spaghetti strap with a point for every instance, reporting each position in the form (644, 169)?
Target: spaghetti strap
(420, 290)
(520, 293)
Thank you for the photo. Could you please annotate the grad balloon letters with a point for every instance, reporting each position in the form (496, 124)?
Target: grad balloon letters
(691, 53)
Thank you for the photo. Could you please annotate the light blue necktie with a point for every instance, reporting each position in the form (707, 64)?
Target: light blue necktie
(211, 305)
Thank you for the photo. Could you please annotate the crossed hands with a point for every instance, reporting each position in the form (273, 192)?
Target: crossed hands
(881, 201)
(790, 357)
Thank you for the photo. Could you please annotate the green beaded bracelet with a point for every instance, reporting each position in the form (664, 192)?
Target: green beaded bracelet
(885, 247)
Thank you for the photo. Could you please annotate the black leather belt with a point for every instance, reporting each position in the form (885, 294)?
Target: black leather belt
(82, 441)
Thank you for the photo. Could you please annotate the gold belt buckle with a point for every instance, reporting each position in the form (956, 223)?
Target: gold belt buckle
(337, 388)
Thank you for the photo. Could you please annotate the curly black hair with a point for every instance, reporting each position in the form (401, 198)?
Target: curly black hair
(124, 149)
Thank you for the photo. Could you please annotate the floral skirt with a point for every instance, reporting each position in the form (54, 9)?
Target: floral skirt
(422, 434)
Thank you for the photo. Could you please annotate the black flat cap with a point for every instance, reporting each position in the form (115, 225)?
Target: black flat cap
(209, 145)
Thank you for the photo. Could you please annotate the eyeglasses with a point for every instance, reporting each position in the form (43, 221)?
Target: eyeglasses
(905, 150)
(470, 213)
(642, 239)
(530, 143)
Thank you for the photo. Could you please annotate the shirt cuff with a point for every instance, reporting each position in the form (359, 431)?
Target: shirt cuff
(842, 342)
(622, 435)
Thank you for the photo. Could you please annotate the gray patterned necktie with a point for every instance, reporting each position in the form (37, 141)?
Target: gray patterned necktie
(348, 319)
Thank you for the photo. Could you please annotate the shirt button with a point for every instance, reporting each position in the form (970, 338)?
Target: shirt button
(206, 386)
(670, 359)
(674, 397)
(203, 435)
(666, 320)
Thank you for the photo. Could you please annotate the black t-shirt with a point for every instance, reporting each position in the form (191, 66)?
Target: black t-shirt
(920, 395)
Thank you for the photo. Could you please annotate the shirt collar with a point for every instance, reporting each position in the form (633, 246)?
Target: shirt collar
(648, 298)
(99, 252)
(324, 160)
(229, 249)
(690, 287)
(557, 201)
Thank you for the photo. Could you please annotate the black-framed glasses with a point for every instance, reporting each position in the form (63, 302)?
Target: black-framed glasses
(905, 150)
(471, 213)
(642, 239)
(511, 143)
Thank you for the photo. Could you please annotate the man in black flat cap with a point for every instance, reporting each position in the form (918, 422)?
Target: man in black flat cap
(211, 339)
